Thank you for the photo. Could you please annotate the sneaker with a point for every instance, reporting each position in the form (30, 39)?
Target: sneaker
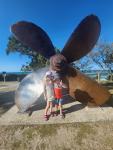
(56, 113)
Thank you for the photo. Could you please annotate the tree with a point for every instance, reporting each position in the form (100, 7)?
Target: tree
(103, 56)
(37, 61)
(83, 63)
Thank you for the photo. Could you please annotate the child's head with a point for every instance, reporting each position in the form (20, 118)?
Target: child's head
(57, 80)
(57, 77)
(49, 76)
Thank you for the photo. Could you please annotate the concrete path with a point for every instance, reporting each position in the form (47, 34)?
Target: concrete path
(75, 112)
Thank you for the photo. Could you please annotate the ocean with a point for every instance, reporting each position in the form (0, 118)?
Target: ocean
(16, 73)
(104, 74)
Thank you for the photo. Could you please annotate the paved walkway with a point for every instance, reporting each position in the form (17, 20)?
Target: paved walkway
(75, 112)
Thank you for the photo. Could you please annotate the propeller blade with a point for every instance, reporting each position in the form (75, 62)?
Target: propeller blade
(30, 90)
(34, 37)
(85, 89)
(82, 39)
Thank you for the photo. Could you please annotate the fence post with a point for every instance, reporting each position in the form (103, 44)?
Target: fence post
(98, 76)
(111, 77)
(4, 76)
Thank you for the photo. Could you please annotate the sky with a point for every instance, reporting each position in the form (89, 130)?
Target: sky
(57, 17)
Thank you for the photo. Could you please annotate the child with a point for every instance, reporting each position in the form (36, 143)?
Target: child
(48, 93)
(58, 95)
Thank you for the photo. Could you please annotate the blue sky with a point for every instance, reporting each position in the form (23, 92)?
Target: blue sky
(57, 17)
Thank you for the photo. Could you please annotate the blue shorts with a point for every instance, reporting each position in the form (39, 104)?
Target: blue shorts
(58, 101)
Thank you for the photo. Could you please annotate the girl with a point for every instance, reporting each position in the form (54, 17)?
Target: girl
(48, 94)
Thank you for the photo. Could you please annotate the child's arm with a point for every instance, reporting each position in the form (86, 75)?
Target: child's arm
(63, 85)
(44, 86)
(45, 96)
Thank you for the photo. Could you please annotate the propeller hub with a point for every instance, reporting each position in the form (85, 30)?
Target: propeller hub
(58, 63)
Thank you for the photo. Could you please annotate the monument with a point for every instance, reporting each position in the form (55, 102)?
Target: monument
(81, 41)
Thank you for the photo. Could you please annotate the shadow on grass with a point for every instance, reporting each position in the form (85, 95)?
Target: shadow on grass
(6, 101)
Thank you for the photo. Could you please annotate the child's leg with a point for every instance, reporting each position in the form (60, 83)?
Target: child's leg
(51, 106)
(56, 107)
(47, 107)
(61, 107)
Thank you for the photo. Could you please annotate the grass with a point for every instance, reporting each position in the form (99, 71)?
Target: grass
(8, 82)
(75, 136)
(84, 131)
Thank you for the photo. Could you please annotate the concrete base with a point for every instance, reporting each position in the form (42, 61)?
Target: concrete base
(74, 112)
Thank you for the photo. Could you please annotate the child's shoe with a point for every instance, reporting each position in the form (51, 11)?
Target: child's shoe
(46, 117)
(56, 113)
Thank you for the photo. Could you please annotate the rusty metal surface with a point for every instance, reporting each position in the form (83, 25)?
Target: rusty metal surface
(82, 39)
(34, 37)
(85, 89)
(58, 63)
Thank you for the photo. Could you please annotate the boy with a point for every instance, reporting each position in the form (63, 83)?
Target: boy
(58, 95)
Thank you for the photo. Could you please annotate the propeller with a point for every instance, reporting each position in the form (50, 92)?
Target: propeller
(79, 44)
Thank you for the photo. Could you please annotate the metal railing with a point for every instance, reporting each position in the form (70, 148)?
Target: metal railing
(106, 77)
